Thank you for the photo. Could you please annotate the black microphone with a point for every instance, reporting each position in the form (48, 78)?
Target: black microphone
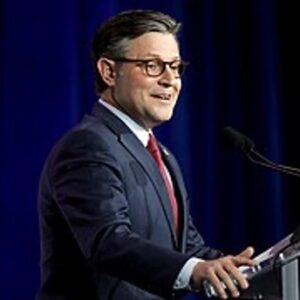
(237, 139)
(246, 145)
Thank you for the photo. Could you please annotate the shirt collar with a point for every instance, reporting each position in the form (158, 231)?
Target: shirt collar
(141, 133)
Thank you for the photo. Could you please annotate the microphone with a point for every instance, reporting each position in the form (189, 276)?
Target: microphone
(247, 146)
(238, 140)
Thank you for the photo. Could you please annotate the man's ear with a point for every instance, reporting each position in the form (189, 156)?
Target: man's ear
(106, 69)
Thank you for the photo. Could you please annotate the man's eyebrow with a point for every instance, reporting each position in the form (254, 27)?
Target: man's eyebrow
(154, 55)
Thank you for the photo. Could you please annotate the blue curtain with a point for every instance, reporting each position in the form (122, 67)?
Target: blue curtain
(243, 72)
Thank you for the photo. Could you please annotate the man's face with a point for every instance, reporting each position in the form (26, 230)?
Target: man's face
(148, 100)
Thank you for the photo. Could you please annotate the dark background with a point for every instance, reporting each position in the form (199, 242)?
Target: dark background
(244, 72)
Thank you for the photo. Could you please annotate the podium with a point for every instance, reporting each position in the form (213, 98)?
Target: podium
(276, 276)
(276, 282)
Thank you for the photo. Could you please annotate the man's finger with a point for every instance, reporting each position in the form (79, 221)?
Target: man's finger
(227, 280)
(248, 252)
(218, 286)
(237, 276)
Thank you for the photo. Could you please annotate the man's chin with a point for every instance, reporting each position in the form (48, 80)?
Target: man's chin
(161, 120)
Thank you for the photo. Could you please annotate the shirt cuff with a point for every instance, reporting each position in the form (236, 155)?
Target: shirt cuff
(184, 277)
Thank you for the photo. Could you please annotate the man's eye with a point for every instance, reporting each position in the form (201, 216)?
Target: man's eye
(152, 65)
(176, 66)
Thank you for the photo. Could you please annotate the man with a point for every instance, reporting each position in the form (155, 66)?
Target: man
(113, 207)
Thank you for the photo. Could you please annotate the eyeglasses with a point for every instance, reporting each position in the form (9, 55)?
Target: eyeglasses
(155, 67)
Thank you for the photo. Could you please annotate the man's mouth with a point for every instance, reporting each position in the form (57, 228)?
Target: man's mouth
(162, 96)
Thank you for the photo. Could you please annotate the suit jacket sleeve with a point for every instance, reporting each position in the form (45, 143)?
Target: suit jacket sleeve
(195, 245)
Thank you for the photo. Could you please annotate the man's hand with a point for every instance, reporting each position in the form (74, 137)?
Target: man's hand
(223, 273)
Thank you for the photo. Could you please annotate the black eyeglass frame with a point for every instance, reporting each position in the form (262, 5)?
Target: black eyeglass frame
(180, 68)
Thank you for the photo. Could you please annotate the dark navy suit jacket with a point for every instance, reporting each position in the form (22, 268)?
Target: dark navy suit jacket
(106, 223)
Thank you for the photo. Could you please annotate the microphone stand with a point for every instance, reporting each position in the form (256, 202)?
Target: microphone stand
(259, 159)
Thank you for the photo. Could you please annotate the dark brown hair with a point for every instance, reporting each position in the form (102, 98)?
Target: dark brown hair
(111, 38)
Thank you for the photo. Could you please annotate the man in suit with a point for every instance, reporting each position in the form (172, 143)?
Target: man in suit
(114, 216)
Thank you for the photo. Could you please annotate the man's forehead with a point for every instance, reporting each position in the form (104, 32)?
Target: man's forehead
(154, 44)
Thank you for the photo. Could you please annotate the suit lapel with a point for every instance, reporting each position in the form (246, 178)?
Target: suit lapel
(181, 193)
(141, 154)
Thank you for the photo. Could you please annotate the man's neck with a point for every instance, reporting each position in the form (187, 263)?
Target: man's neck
(141, 133)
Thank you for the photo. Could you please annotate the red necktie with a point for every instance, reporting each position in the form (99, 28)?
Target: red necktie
(155, 152)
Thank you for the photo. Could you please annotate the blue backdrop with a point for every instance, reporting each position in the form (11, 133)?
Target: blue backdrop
(244, 72)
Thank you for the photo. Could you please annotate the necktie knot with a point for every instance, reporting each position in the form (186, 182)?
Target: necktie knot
(153, 148)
